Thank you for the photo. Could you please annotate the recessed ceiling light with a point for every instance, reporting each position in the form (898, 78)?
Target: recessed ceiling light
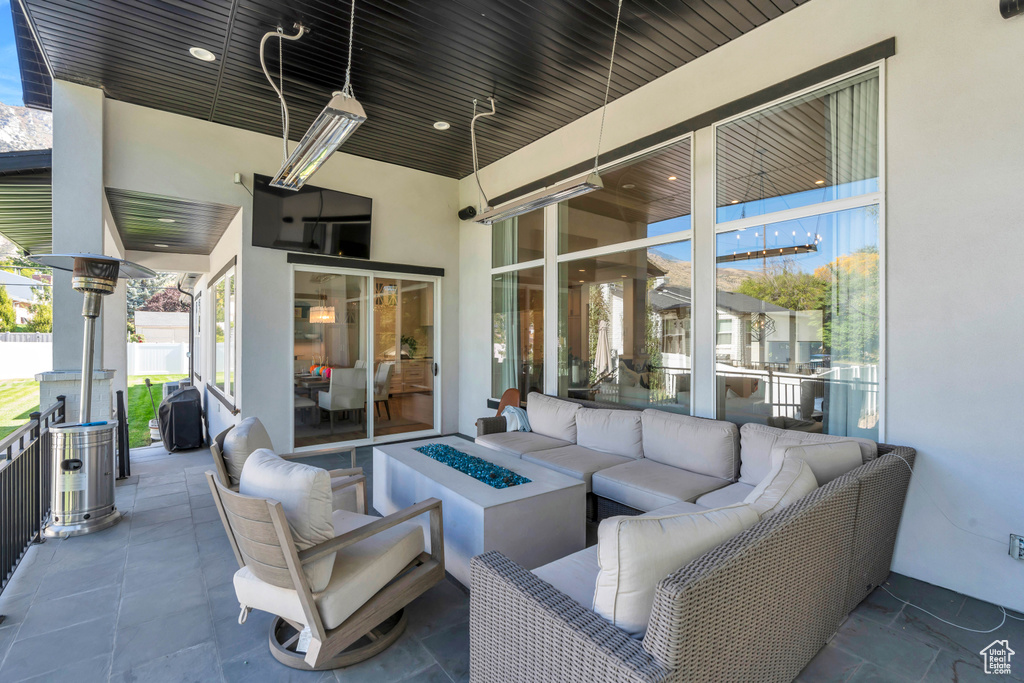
(166, 220)
(628, 186)
(735, 201)
(819, 182)
(625, 276)
(583, 270)
(162, 246)
(671, 177)
(581, 282)
(202, 53)
(442, 125)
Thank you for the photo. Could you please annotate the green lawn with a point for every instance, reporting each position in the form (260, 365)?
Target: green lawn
(140, 411)
(18, 398)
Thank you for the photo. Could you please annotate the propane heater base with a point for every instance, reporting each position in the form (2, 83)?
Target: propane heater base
(85, 527)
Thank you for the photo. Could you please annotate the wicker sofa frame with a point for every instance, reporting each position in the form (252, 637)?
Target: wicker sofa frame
(756, 608)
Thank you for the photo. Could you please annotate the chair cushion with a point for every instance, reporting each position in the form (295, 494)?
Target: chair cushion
(360, 571)
(517, 443)
(758, 440)
(304, 492)
(647, 485)
(826, 460)
(343, 498)
(611, 431)
(675, 509)
(727, 495)
(635, 553)
(240, 442)
(710, 447)
(575, 575)
(576, 461)
(790, 480)
(552, 417)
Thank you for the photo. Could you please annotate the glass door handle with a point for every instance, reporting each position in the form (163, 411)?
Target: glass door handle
(435, 369)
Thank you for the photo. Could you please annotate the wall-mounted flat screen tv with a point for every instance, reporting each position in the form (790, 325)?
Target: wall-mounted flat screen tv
(312, 219)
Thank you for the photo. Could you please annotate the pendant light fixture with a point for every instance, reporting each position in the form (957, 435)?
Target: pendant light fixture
(335, 124)
(322, 314)
(568, 189)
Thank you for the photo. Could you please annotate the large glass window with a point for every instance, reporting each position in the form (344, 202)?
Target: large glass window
(517, 319)
(224, 333)
(624, 331)
(642, 199)
(798, 292)
(625, 328)
(518, 240)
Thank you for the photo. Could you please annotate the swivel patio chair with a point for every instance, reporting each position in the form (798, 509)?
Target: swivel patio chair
(232, 447)
(338, 582)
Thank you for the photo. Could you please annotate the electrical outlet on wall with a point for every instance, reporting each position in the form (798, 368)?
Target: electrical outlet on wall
(1017, 547)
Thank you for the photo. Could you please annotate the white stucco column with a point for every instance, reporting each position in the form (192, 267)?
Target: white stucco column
(77, 224)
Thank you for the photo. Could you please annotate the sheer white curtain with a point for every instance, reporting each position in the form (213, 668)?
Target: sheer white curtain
(508, 237)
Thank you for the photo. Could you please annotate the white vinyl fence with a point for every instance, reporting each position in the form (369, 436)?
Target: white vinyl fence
(157, 359)
(23, 359)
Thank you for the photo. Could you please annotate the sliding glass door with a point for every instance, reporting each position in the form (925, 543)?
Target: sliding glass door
(364, 357)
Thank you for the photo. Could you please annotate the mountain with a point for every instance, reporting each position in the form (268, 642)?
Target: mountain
(677, 273)
(22, 128)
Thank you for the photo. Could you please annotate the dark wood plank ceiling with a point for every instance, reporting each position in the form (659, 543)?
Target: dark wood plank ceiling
(142, 222)
(415, 62)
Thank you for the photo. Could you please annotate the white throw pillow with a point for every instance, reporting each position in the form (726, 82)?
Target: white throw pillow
(826, 460)
(789, 480)
(243, 439)
(636, 553)
(305, 494)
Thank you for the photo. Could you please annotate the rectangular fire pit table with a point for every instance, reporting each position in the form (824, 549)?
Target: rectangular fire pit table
(532, 524)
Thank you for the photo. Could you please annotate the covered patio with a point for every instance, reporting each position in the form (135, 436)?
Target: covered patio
(596, 340)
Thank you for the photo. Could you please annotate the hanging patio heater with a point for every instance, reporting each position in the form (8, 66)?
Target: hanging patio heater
(82, 480)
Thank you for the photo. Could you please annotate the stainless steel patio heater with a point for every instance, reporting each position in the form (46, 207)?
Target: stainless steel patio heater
(82, 485)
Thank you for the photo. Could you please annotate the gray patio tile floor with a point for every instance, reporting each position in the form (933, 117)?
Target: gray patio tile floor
(151, 600)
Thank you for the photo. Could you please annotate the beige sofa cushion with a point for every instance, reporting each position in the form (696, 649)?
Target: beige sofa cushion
(647, 485)
(709, 447)
(576, 461)
(305, 494)
(727, 495)
(240, 442)
(789, 480)
(552, 417)
(635, 553)
(826, 460)
(611, 431)
(517, 443)
(575, 575)
(758, 440)
(360, 571)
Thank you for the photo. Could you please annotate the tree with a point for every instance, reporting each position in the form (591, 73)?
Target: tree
(166, 300)
(784, 284)
(852, 323)
(7, 317)
(599, 311)
(42, 317)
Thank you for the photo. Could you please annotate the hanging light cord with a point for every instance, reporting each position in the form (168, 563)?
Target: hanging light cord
(608, 85)
(347, 88)
(281, 37)
(484, 202)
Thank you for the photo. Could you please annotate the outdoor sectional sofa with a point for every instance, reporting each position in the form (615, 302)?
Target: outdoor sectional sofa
(758, 607)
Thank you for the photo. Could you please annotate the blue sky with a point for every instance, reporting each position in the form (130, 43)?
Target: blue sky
(10, 79)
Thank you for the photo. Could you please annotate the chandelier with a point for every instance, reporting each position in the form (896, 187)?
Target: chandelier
(322, 314)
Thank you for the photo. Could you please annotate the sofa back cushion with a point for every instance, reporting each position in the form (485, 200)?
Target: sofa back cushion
(789, 480)
(758, 440)
(710, 447)
(552, 417)
(636, 553)
(304, 492)
(240, 442)
(826, 460)
(610, 431)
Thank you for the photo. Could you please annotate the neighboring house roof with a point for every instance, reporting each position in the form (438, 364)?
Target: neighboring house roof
(160, 319)
(19, 287)
(26, 204)
(667, 298)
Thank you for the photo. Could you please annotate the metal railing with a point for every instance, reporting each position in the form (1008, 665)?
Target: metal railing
(25, 468)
